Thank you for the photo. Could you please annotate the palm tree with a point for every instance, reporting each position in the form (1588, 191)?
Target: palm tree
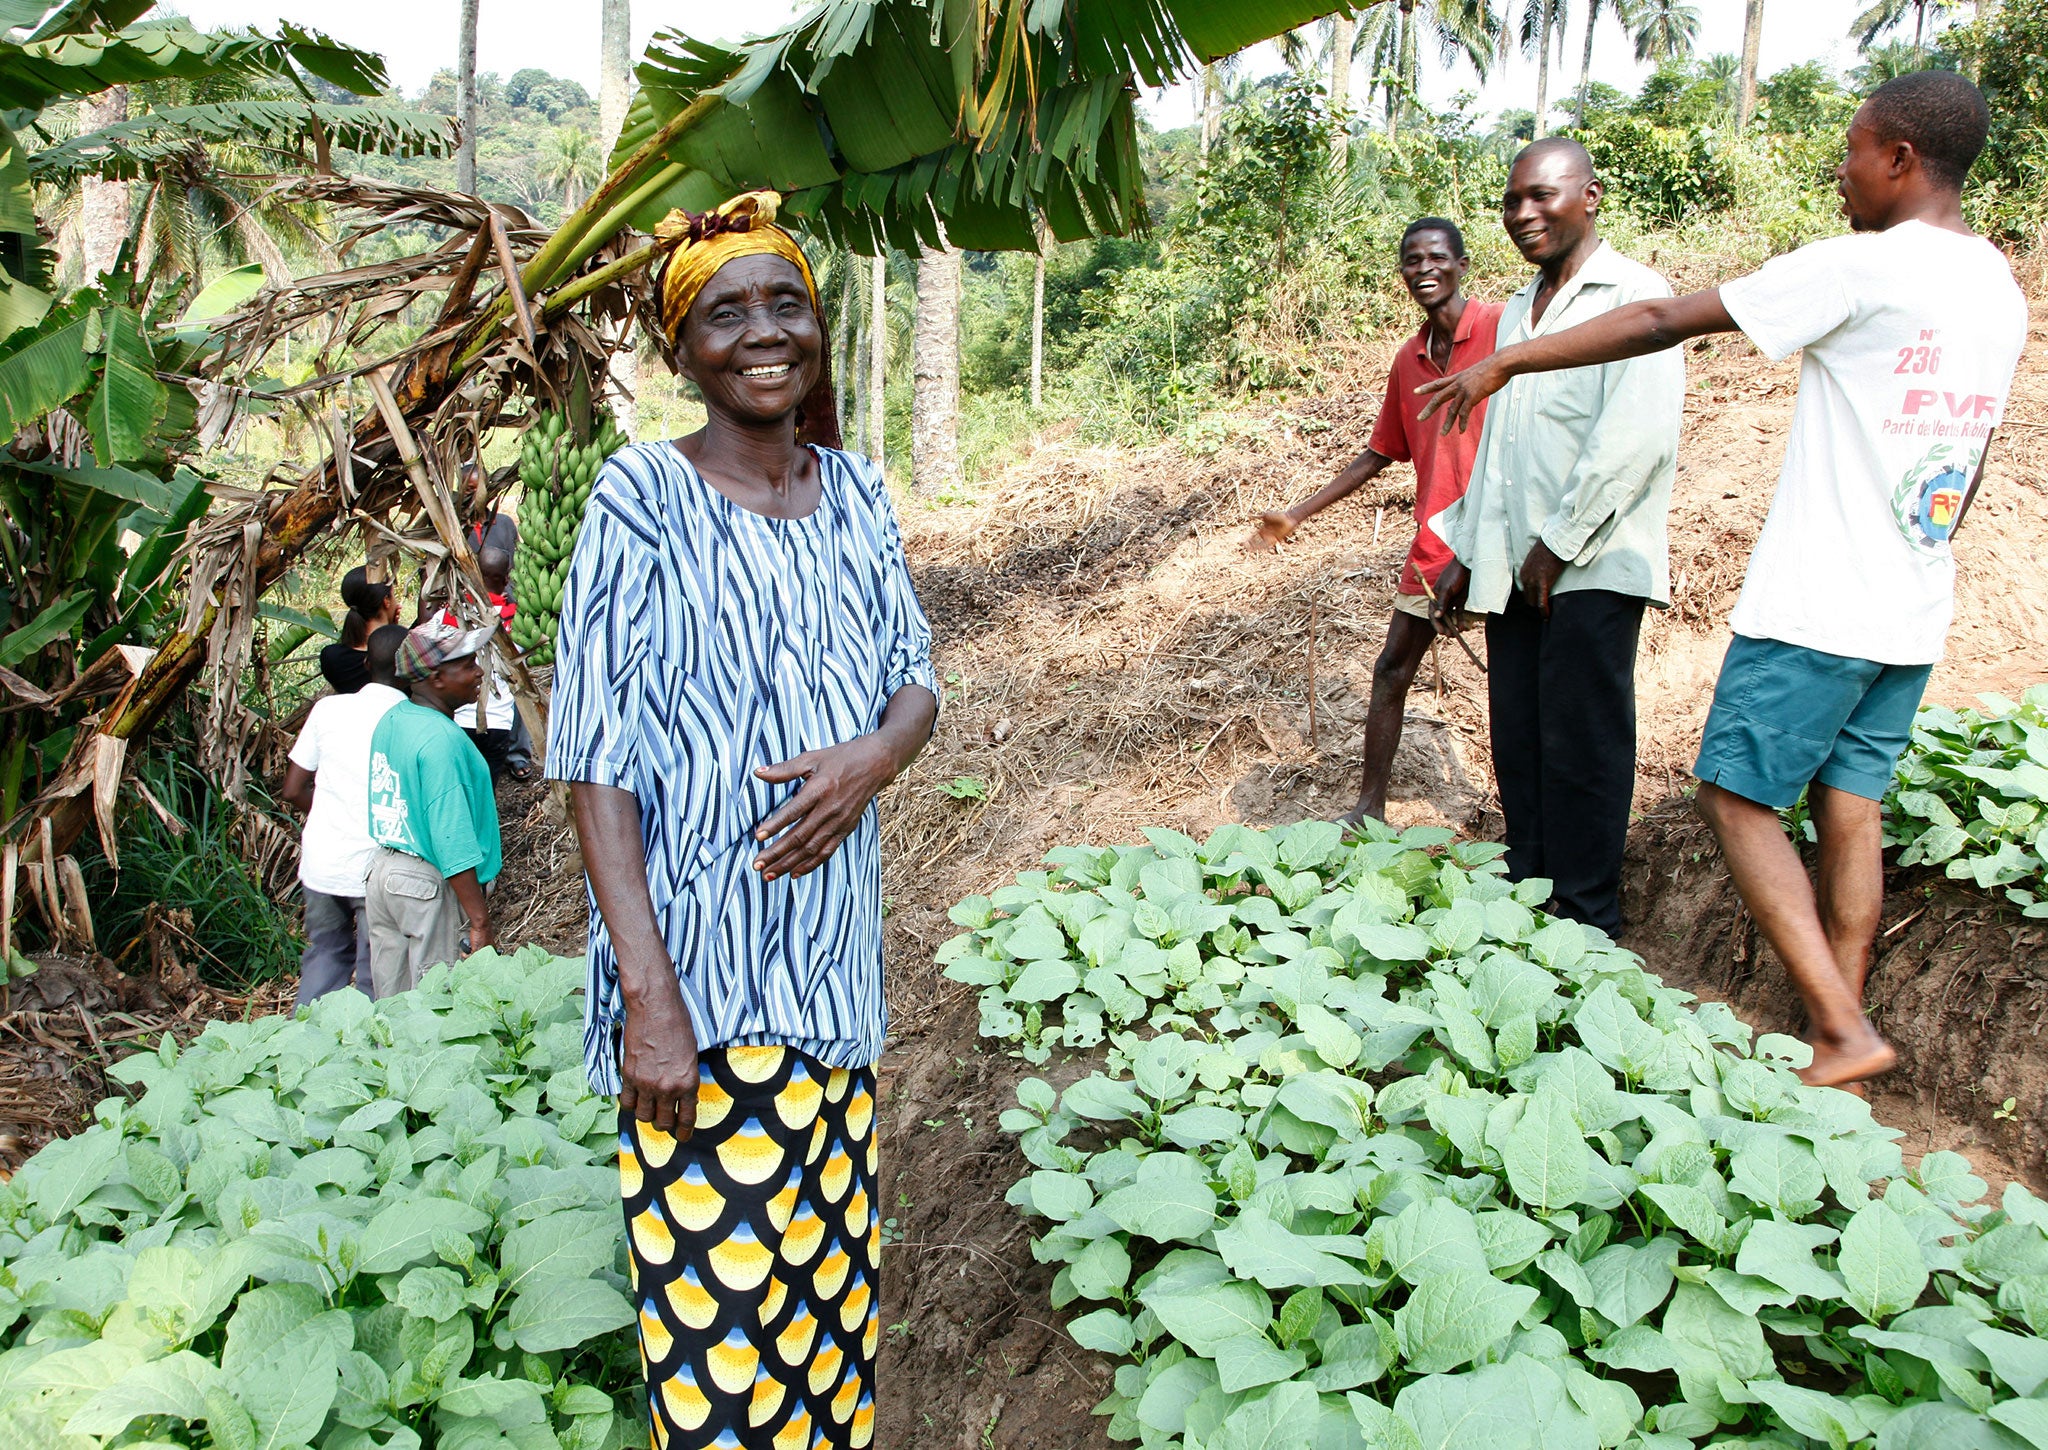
(1884, 62)
(102, 205)
(935, 369)
(1539, 19)
(1725, 71)
(569, 159)
(1752, 45)
(1219, 80)
(1620, 10)
(198, 206)
(1663, 29)
(465, 99)
(878, 355)
(1343, 37)
(614, 70)
(1387, 36)
(614, 97)
(1887, 15)
(1299, 48)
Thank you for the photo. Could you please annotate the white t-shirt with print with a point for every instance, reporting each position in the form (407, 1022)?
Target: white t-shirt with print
(1911, 338)
(335, 849)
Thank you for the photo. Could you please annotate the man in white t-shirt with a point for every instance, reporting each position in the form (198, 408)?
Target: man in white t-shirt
(329, 780)
(1912, 329)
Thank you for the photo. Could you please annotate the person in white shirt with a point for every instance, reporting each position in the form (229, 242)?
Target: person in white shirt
(328, 779)
(1912, 328)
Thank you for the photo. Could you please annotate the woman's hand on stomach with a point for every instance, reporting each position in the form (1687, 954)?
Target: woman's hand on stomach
(838, 782)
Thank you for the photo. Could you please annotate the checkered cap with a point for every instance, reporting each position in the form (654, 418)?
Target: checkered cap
(430, 646)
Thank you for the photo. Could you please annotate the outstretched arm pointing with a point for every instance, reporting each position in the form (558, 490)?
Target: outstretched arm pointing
(1628, 331)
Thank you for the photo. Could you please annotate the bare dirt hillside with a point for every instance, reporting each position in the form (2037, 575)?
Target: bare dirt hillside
(1113, 659)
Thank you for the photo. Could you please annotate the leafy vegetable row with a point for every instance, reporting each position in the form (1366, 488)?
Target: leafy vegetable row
(367, 1228)
(1971, 795)
(1382, 1156)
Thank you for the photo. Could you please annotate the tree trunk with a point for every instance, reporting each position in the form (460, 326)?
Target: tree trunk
(1212, 107)
(935, 370)
(1752, 43)
(1545, 18)
(1586, 60)
(102, 205)
(878, 359)
(855, 427)
(843, 360)
(1038, 325)
(465, 100)
(614, 96)
(614, 73)
(1404, 66)
(1344, 32)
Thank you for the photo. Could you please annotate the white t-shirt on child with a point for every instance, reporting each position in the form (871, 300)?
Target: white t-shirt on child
(1911, 338)
(335, 850)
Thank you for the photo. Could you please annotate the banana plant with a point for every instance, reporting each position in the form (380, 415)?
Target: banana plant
(95, 486)
(896, 123)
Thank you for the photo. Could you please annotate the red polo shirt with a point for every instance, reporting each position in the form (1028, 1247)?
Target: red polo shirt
(1443, 465)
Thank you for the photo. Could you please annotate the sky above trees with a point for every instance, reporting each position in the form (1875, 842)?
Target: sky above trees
(417, 37)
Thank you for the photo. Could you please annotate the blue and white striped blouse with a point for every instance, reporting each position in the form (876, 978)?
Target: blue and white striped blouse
(699, 640)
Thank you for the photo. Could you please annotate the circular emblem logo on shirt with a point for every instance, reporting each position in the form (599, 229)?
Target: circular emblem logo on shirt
(1930, 495)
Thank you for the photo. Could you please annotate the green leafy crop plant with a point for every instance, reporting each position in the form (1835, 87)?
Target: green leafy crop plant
(366, 1228)
(1971, 796)
(1380, 1155)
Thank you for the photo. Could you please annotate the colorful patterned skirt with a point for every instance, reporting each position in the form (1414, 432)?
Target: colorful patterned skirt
(754, 1248)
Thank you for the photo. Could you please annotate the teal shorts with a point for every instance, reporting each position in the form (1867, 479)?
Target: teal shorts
(1785, 716)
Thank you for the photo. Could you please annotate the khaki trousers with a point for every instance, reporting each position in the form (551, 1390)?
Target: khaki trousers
(414, 920)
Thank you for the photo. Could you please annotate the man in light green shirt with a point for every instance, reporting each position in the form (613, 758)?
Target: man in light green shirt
(1561, 542)
(433, 815)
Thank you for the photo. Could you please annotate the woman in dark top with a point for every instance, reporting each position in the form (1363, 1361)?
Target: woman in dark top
(370, 606)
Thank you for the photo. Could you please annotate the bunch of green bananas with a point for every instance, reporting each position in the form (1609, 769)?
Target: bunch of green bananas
(555, 474)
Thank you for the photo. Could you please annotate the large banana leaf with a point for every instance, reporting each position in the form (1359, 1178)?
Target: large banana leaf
(45, 367)
(52, 624)
(129, 149)
(130, 402)
(152, 493)
(884, 118)
(17, 196)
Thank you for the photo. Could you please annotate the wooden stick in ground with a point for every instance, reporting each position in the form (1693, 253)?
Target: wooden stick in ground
(1459, 635)
(1314, 622)
(441, 510)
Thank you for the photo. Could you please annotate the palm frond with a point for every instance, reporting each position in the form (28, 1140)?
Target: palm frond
(39, 71)
(130, 149)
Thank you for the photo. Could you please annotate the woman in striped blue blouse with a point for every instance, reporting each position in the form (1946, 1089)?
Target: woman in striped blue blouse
(742, 667)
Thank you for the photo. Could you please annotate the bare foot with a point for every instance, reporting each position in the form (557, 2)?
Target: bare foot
(1357, 816)
(1837, 1067)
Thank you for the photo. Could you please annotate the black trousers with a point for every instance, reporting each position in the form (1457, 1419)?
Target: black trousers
(496, 746)
(1562, 696)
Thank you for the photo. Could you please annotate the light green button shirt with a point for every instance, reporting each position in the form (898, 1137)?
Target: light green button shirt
(1582, 459)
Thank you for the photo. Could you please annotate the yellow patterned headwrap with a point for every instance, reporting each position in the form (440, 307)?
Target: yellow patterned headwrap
(695, 246)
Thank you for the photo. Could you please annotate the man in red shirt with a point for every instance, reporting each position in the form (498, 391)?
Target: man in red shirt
(1457, 331)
